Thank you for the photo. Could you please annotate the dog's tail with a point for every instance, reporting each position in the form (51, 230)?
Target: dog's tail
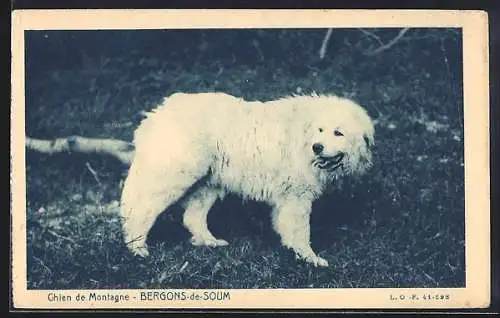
(120, 149)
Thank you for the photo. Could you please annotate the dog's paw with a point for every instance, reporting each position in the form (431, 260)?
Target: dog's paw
(141, 251)
(314, 260)
(318, 261)
(211, 242)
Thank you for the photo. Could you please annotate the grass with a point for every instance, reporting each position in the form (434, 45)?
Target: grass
(402, 225)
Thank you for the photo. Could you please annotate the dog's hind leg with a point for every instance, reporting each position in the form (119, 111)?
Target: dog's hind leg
(197, 207)
(147, 192)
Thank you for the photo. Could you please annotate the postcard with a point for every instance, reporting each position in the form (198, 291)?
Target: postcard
(250, 159)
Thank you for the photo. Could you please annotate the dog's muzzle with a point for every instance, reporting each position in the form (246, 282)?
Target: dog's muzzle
(329, 163)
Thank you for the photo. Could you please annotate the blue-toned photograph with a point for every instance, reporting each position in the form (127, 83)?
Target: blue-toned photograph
(245, 158)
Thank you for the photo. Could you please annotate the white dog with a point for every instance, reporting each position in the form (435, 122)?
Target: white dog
(195, 148)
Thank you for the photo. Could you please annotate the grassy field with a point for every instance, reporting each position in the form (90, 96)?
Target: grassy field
(402, 225)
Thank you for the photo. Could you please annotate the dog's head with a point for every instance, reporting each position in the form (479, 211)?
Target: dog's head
(342, 137)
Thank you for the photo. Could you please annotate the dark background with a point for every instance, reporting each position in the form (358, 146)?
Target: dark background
(401, 226)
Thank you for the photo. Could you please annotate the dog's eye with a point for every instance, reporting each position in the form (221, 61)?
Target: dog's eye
(338, 133)
(320, 129)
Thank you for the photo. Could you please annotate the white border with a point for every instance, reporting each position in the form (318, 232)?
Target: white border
(476, 98)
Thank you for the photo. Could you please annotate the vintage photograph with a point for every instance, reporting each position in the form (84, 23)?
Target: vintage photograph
(242, 119)
(245, 158)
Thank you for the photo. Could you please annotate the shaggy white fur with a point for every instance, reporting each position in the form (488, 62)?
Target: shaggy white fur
(195, 148)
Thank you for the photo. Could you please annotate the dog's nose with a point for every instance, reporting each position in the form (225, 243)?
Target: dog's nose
(317, 148)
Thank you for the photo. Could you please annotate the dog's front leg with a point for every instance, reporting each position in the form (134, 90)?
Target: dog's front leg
(291, 218)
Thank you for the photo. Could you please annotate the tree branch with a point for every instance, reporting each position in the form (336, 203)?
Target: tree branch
(389, 44)
(120, 149)
(322, 50)
(372, 35)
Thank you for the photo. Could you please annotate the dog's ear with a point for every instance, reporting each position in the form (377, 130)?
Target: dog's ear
(369, 140)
